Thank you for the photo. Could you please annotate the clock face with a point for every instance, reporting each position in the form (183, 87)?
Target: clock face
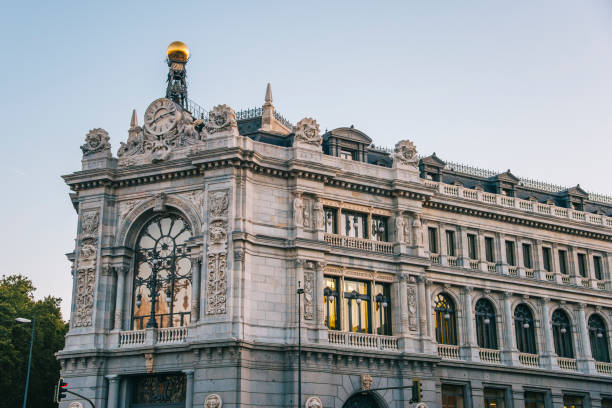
(161, 116)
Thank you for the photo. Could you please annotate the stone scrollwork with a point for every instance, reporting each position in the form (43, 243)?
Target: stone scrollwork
(412, 308)
(308, 295)
(89, 224)
(216, 290)
(86, 268)
(97, 140)
(406, 153)
(84, 297)
(213, 401)
(221, 118)
(314, 402)
(307, 131)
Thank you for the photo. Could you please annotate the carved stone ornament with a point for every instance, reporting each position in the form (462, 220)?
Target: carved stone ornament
(314, 402)
(213, 401)
(308, 295)
(75, 404)
(298, 211)
(150, 362)
(307, 131)
(412, 308)
(221, 118)
(406, 153)
(399, 228)
(217, 231)
(97, 140)
(216, 253)
(167, 127)
(319, 215)
(84, 297)
(89, 224)
(218, 204)
(366, 382)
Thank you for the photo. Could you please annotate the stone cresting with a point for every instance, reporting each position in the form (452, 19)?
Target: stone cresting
(406, 153)
(97, 140)
(307, 131)
(86, 268)
(216, 292)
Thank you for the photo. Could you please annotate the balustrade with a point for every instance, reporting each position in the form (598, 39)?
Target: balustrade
(490, 356)
(567, 364)
(474, 265)
(529, 360)
(359, 243)
(586, 283)
(490, 266)
(512, 270)
(131, 338)
(601, 286)
(603, 368)
(550, 276)
(530, 273)
(362, 340)
(172, 334)
(565, 279)
(448, 351)
(435, 258)
(452, 261)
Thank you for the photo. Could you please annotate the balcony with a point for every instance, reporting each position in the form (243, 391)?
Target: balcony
(529, 360)
(474, 265)
(603, 368)
(362, 341)
(359, 243)
(452, 261)
(512, 270)
(435, 258)
(448, 351)
(490, 356)
(567, 364)
(167, 335)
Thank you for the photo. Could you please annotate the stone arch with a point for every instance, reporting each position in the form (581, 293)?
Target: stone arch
(367, 399)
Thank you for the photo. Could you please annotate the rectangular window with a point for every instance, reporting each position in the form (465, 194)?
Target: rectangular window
(606, 403)
(452, 396)
(382, 303)
(494, 398)
(510, 258)
(472, 246)
(450, 243)
(582, 266)
(535, 399)
(527, 256)
(331, 220)
(563, 262)
(357, 310)
(433, 240)
(546, 259)
(598, 267)
(354, 224)
(490, 249)
(572, 401)
(345, 154)
(332, 305)
(379, 228)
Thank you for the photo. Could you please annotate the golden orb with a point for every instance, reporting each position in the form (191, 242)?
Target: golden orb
(177, 51)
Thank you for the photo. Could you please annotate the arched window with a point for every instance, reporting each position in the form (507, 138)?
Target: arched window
(598, 336)
(562, 334)
(524, 329)
(486, 330)
(446, 327)
(162, 276)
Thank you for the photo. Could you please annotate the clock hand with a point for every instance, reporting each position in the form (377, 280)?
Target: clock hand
(162, 116)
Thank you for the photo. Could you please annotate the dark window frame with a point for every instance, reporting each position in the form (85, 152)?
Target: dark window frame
(490, 249)
(525, 336)
(445, 320)
(598, 338)
(563, 341)
(451, 243)
(547, 259)
(486, 324)
(472, 246)
(434, 245)
(527, 256)
(563, 262)
(510, 253)
(583, 269)
(598, 267)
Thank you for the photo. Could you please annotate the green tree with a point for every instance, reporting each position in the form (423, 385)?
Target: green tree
(17, 300)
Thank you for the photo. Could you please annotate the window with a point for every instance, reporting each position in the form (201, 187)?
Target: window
(494, 398)
(357, 306)
(510, 258)
(535, 399)
(383, 310)
(527, 263)
(379, 228)
(162, 279)
(452, 396)
(331, 220)
(332, 305)
(524, 329)
(563, 262)
(450, 243)
(598, 267)
(353, 224)
(546, 259)
(433, 240)
(562, 334)
(582, 266)
(166, 390)
(489, 249)
(345, 154)
(606, 403)
(598, 337)
(446, 328)
(472, 246)
(486, 332)
(572, 401)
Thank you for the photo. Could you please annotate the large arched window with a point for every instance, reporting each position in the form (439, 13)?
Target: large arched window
(162, 276)
(446, 326)
(486, 331)
(598, 336)
(562, 334)
(524, 329)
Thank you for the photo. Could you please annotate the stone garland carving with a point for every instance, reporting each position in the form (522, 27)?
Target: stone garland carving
(84, 297)
(406, 153)
(412, 308)
(213, 401)
(298, 211)
(308, 295)
(86, 268)
(314, 402)
(216, 295)
(307, 131)
(221, 118)
(97, 140)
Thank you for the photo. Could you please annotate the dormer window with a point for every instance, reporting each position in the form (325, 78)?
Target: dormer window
(346, 154)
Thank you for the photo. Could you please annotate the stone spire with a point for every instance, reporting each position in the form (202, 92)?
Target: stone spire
(268, 122)
(268, 95)
(134, 120)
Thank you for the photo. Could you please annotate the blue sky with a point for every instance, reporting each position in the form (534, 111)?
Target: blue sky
(525, 85)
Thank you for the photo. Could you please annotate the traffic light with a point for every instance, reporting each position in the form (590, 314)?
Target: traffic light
(417, 391)
(60, 390)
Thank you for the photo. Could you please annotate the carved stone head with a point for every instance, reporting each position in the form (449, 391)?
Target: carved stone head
(213, 401)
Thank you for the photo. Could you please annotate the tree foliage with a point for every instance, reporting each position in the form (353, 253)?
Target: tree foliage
(17, 300)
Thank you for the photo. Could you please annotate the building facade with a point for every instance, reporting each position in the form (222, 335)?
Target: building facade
(485, 289)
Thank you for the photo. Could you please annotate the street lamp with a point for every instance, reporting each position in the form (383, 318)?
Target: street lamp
(300, 292)
(329, 296)
(33, 321)
(382, 303)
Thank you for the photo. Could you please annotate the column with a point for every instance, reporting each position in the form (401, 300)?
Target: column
(500, 256)
(482, 252)
(554, 262)
(538, 260)
(509, 352)
(121, 271)
(586, 363)
(462, 248)
(520, 261)
(189, 389)
(470, 349)
(319, 301)
(195, 288)
(549, 359)
(443, 249)
(113, 391)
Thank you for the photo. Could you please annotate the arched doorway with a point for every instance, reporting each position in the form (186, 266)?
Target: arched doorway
(362, 400)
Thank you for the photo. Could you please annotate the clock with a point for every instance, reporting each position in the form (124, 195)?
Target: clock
(161, 116)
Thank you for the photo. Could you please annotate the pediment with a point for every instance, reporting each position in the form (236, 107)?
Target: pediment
(506, 176)
(576, 191)
(350, 133)
(433, 160)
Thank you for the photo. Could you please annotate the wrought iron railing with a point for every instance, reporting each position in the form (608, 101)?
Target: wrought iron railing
(197, 111)
(282, 120)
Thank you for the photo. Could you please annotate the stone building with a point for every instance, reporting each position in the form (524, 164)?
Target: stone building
(486, 289)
